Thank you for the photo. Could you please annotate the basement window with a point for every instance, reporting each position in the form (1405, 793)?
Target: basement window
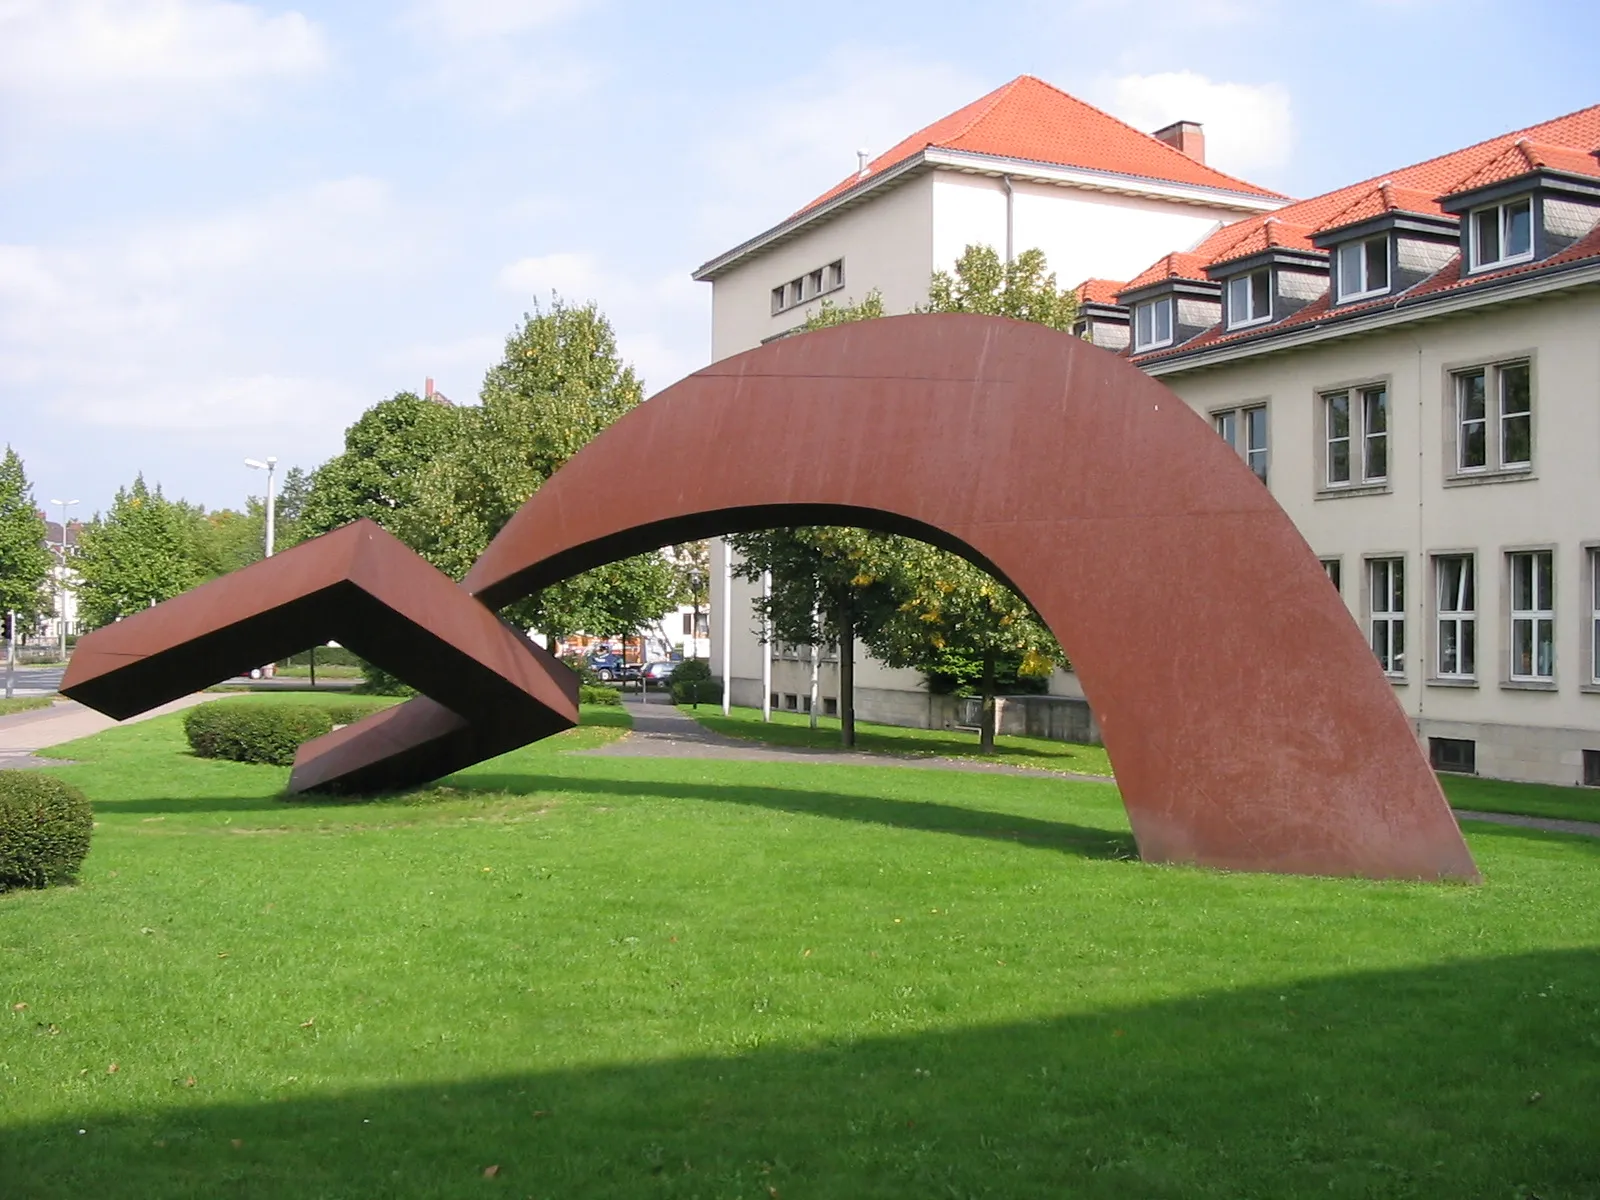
(1457, 755)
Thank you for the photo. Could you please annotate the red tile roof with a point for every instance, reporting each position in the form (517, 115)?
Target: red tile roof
(1098, 291)
(1565, 144)
(1031, 120)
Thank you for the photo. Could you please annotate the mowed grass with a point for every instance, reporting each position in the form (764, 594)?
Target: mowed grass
(18, 704)
(794, 729)
(688, 978)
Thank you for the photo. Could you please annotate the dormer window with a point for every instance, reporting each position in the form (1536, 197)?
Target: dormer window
(1152, 324)
(1364, 268)
(1502, 234)
(1250, 298)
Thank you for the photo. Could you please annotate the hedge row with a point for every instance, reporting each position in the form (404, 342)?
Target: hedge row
(265, 733)
(594, 693)
(44, 830)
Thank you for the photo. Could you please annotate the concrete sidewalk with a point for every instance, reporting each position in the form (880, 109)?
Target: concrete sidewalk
(23, 734)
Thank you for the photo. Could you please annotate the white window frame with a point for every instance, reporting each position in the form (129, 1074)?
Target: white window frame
(1363, 253)
(1386, 609)
(1495, 419)
(805, 288)
(1235, 321)
(1236, 426)
(1333, 568)
(1457, 615)
(1152, 307)
(1537, 617)
(1502, 209)
(1593, 557)
(1359, 437)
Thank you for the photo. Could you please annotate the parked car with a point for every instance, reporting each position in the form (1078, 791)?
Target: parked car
(611, 668)
(658, 673)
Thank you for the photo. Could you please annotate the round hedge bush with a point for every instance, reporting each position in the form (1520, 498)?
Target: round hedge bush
(692, 683)
(597, 693)
(44, 830)
(254, 733)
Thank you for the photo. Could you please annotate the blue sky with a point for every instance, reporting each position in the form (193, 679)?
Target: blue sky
(226, 228)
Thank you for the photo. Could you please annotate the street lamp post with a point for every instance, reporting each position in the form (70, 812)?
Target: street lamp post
(61, 579)
(269, 466)
(272, 501)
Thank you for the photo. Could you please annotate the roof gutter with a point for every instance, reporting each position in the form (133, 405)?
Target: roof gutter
(1402, 311)
(1006, 169)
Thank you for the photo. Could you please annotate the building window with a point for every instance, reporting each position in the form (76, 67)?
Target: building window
(1386, 581)
(1355, 426)
(1594, 616)
(1533, 621)
(1250, 298)
(1494, 418)
(1152, 324)
(808, 287)
(1458, 616)
(1502, 233)
(1364, 268)
(1591, 768)
(1335, 572)
(1245, 429)
(1453, 754)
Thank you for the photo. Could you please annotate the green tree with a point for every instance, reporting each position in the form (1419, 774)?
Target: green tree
(1024, 288)
(24, 559)
(385, 454)
(140, 553)
(560, 382)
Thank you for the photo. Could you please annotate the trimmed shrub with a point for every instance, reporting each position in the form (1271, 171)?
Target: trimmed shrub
(598, 694)
(692, 683)
(327, 656)
(348, 712)
(44, 830)
(375, 681)
(254, 733)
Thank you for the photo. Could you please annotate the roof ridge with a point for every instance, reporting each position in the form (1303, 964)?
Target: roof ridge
(999, 94)
(1095, 108)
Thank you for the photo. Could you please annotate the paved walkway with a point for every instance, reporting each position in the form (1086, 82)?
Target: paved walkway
(24, 733)
(662, 730)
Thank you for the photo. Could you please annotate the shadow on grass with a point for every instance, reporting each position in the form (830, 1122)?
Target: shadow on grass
(1467, 1079)
(922, 815)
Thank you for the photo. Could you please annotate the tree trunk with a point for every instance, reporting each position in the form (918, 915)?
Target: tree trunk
(847, 678)
(986, 721)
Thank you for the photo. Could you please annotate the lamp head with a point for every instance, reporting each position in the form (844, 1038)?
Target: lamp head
(259, 466)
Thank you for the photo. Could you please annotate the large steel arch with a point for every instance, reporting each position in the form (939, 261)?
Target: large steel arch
(1246, 719)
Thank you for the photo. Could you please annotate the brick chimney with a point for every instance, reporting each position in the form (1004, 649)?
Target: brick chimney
(427, 388)
(1185, 136)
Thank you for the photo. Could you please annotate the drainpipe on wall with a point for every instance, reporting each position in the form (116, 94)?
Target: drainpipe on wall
(1011, 204)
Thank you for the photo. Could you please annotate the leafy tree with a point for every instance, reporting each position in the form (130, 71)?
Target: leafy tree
(289, 511)
(828, 314)
(559, 384)
(24, 559)
(827, 588)
(1023, 288)
(385, 454)
(140, 553)
(957, 620)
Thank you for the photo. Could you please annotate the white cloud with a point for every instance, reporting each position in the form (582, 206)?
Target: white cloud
(1248, 127)
(466, 20)
(661, 322)
(116, 63)
(785, 145)
(164, 328)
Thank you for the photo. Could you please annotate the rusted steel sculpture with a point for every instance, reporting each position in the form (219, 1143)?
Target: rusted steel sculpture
(1248, 723)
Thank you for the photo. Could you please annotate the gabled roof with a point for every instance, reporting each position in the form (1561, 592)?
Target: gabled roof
(1526, 155)
(1381, 198)
(1031, 120)
(1176, 265)
(1098, 291)
(1270, 234)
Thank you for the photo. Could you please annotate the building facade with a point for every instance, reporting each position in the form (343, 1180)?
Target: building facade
(1411, 364)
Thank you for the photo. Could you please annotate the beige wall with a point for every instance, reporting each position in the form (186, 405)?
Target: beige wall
(1421, 511)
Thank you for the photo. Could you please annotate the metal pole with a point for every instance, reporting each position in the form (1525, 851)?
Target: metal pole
(11, 653)
(816, 665)
(727, 628)
(766, 648)
(61, 580)
(272, 506)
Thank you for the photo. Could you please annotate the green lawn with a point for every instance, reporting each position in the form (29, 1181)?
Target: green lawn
(23, 704)
(794, 729)
(1527, 799)
(688, 978)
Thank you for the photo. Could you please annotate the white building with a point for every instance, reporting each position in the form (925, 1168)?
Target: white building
(1408, 362)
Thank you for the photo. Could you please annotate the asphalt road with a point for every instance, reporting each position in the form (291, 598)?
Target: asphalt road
(32, 681)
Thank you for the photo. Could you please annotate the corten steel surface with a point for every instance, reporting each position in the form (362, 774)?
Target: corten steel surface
(493, 689)
(1248, 722)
